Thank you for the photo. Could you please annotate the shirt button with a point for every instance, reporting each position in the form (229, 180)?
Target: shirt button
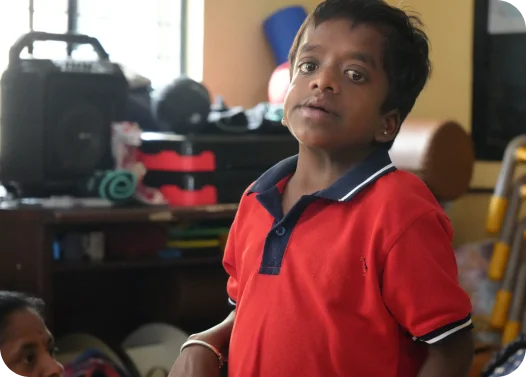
(281, 231)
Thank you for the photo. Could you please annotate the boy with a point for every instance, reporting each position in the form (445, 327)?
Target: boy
(340, 265)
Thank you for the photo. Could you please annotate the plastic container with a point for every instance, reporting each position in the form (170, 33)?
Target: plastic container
(280, 29)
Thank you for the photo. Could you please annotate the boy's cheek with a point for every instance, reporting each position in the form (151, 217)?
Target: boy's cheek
(288, 104)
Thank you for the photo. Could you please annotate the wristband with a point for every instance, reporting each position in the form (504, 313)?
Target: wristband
(195, 342)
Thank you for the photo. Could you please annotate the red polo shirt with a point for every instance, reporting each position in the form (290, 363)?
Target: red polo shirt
(353, 281)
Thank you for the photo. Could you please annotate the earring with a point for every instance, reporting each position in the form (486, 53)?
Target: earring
(385, 132)
(283, 121)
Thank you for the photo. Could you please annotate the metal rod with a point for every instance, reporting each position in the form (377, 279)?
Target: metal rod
(183, 34)
(72, 22)
(31, 23)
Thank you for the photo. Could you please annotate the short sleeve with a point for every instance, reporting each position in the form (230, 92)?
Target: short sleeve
(229, 263)
(420, 281)
(229, 257)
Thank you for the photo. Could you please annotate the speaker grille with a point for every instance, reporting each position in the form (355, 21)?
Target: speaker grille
(79, 139)
(79, 115)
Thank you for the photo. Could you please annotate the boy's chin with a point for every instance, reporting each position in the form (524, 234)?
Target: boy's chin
(319, 139)
(328, 145)
(316, 143)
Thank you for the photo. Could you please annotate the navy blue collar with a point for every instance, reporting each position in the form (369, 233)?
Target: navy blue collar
(344, 189)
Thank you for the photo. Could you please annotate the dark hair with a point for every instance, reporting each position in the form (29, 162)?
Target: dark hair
(406, 57)
(11, 302)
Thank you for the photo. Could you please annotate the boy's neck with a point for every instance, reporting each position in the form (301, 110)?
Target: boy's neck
(318, 170)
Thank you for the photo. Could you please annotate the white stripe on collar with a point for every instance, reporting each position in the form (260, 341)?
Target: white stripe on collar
(365, 182)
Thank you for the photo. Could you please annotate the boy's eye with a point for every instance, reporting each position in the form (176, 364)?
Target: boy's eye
(307, 67)
(355, 76)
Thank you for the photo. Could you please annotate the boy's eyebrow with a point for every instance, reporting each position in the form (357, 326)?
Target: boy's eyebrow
(309, 47)
(363, 57)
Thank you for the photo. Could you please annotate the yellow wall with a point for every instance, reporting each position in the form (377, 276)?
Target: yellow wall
(237, 60)
(238, 63)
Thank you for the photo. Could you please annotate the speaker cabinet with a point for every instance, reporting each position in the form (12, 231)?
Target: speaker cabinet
(56, 122)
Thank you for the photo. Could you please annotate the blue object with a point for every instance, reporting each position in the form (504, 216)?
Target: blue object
(510, 366)
(170, 253)
(281, 28)
(56, 250)
(508, 359)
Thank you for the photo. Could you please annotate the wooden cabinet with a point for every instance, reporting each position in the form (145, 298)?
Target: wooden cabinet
(112, 297)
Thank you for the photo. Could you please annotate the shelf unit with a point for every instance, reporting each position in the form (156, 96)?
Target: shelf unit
(111, 298)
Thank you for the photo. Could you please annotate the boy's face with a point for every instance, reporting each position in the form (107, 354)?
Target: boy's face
(338, 87)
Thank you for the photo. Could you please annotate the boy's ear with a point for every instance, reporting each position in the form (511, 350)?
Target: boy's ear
(389, 127)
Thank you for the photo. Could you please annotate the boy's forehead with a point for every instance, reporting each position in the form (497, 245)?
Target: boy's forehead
(342, 30)
(342, 34)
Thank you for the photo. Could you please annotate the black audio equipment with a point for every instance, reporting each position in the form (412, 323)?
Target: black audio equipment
(56, 117)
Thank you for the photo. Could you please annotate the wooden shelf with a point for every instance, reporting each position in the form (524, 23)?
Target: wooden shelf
(104, 297)
(63, 267)
(123, 214)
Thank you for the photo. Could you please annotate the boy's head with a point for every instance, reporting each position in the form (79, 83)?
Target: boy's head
(357, 67)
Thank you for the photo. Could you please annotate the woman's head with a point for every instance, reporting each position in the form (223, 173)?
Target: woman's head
(26, 345)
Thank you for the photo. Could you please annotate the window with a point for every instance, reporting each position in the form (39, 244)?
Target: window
(499, 83)
(14, 21)
(145, 36)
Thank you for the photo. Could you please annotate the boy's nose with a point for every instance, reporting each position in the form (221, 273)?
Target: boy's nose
(326, 80)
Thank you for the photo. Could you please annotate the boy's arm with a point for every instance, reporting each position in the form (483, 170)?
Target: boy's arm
(420, 288)
(452, 358)
(199, 361)
(219, 335)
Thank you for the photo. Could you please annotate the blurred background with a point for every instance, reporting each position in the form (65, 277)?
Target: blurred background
(129, 130)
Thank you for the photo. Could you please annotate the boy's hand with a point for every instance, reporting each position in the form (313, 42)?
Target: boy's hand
(196, 361)
(199, 361)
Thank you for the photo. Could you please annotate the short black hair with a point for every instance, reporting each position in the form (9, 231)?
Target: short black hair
(11, 302)
(406, 56)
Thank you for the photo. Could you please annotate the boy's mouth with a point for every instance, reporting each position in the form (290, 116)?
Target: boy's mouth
(316, 107)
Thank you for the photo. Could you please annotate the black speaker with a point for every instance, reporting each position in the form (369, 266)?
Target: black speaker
(56, 117)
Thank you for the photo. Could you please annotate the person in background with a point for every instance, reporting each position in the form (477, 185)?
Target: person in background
(26, 345)
(339, 264)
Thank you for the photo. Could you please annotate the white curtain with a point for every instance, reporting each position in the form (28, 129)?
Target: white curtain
(143, 35)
